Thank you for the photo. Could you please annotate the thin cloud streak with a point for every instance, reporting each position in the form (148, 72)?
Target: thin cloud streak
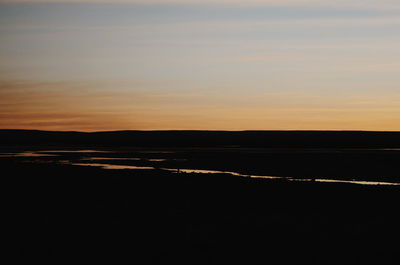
(216, 25)
(382, 4)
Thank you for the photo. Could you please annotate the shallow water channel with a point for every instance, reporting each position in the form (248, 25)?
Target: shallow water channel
(85, 161)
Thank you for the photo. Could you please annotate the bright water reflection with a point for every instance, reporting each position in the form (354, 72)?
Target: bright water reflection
(109, 166)
(77, 151)
(358, 182)
(201, 171)
(112, 158)
(288, 178)
(24, 154)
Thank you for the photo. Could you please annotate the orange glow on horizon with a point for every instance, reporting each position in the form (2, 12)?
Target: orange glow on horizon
(42, 106)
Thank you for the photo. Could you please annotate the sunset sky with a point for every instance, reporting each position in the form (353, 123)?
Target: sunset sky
(199, 64)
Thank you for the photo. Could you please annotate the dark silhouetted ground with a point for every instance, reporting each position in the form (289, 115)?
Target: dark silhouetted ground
(66, 214)
(85, 215)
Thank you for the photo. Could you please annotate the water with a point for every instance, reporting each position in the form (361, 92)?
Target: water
(358, 182)
(78, 162)
(107, 166)
(25, 154)
(204, 171)
(113, 158)
(288, 178)
(77, 151)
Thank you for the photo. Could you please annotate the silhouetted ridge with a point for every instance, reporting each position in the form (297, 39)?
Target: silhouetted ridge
(273, 139)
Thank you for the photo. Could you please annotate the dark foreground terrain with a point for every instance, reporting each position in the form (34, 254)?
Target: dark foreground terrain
(68, 214)
(64, 213)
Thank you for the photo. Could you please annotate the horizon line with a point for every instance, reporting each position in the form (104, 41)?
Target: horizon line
(177, 130)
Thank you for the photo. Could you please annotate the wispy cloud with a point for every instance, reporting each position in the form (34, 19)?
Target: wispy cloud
(382, 4)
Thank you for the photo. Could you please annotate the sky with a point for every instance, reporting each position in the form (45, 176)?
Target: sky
(92, 65)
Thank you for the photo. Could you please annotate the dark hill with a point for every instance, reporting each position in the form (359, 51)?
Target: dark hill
(275, 139)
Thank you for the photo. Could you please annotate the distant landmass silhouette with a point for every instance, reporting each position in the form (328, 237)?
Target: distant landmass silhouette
(272, 139)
